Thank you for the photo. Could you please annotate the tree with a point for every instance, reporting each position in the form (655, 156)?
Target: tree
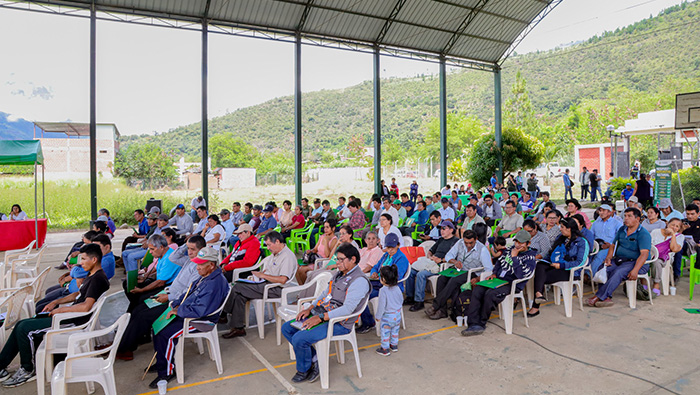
(147, 164)
(520, 152)
(462, 131)
(518, 111)
(392, 151)
(228, 151)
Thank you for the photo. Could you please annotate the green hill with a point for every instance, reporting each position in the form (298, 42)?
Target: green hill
(573, 92)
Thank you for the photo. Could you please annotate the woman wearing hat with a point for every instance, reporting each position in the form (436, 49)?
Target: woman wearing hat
(574, 207)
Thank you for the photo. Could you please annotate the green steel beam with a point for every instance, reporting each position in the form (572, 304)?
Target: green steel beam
(377, 125)
(297, 119)
(497, 121)
(443, 123)
(205, 124)
(93, 113)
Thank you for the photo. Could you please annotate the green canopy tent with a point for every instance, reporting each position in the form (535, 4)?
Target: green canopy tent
(26, 152)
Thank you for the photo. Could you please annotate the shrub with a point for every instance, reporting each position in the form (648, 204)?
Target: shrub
(619, 183)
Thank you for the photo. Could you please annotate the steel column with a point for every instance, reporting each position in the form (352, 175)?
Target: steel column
(93, 114)
(297, 119)
(377, 124)
(443, 123)
(497, 121)
(205, 124)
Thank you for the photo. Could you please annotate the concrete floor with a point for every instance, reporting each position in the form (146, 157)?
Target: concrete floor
(649, 350)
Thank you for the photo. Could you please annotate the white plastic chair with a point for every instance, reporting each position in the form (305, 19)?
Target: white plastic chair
(375, 303)
(89, 366)
(594, 252)
(505, 308)
(567, 288)
(323, 346)
(632, 284)
(288, 312)
(427, 245)
(26, 265)
(212, 338)
(407, 241)
(259, 305)
(237, 272)
(9, 256)
(37, 284)
(666, 277)
(12, 306)
(56, 340)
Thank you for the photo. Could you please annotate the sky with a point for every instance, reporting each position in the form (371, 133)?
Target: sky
(148, 78)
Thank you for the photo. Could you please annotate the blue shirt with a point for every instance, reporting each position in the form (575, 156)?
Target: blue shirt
(266, 224)
(108, 264)
(414, 190)
(409, 206)
(606, 230)
(627, 193)
(567, 180)
(143, 227)
(588, 235)
(429, 209)
(674, 214)
(318, 210)
(420, 217)
(229, 227)
(629, 247)
(166, 270)
(493, 182)
(399, 260)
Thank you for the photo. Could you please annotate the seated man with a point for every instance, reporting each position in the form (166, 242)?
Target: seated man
(428, 266)
(132, 255)
(346, 293)
(447, 212)
(492, 210)
(474, 200)
(202, 215)
(181, 221)
(280, 268)
(400, 209)
(227, 223)
(142, 231)
(511, 223)
(202, 298)
(416, 221)
(516, 262)
(691, 231)
(526, 202)
(471, 217)
(468, 253)
(245, 252)
(627, 260)
(194, 205)
(376, 205)
(268, 222)
(160, 273)
(407, 204)
(538, 240)
(604, 231)
(392, 256)
(431, 231)
(28, 334)
(143, 316)
(545, 199)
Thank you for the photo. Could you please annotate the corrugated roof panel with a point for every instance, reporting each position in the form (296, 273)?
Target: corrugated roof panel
(326, 22)
(381, 8)
(523, 10)
(438, 15)
(416, 37)
(488, 51)
(258, 12)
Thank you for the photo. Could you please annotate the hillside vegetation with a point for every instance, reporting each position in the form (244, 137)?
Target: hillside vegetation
(562, 97)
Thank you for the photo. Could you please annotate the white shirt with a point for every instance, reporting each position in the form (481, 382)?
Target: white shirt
(393, 229)
(19, 217)
(446, 192)
(447, 213)
(345, 212)
(197, 204)
(209, 236)
(394, 215)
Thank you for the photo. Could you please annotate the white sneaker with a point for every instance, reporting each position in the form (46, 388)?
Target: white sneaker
(20, 377)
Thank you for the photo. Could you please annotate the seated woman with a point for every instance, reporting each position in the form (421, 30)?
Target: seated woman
(285, 214)
(369, 256)
(455, 201)
(586, 233)
(17, 214)
(569, 250)
(665, 243)
(170, 237)
(653, 220)
(213, 232)
(245, 252)
(386, 226)
(298, 222)
(326, 244)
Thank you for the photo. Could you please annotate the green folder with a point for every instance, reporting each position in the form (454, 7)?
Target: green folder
(73, 261)
(451, 272)
(161, 322)
(151, 303)
(693, 311)
(132, 277)
(493, 283)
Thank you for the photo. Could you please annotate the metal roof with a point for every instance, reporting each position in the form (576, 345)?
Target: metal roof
(70, 128)
(482, 31)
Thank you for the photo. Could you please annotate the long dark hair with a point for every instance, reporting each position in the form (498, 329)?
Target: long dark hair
(570, 224)
(481, 230)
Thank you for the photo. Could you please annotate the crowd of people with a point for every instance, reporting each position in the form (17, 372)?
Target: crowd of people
(189, 264)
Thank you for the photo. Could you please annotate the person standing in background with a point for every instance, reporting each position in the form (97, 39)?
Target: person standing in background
(585, 181)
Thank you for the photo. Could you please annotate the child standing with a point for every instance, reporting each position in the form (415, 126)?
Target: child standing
(388, 313)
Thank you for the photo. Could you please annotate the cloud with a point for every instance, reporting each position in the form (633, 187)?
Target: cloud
(17, 92)
(42, 92)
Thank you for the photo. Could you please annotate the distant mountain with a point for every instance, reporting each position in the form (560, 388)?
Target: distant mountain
(15, 130)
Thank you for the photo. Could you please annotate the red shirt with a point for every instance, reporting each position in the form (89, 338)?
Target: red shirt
(300, 219)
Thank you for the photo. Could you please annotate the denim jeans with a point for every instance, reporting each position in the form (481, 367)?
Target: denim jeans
(415, 285)
(389, 325)
(303, 341)
(598, 259)
(131, 258)
(568, 192)
(617, 274)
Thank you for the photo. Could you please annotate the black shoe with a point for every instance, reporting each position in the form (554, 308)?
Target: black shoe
(540, 300)
(300, 377)
(417, 306)
(154, 383)
(530, 315)
(408, 301)
(365, 329)
(313, 373)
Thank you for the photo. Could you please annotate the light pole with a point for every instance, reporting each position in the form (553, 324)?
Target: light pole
(613, 149)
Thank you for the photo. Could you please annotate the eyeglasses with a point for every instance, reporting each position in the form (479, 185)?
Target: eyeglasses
(339, 259)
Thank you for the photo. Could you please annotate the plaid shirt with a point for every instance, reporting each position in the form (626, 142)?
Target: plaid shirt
(357, 220)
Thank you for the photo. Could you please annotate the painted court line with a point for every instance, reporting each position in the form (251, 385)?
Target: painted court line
(283, 365)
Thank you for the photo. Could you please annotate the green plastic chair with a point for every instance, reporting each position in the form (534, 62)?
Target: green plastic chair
(357, 234)
(300, 237)
(691, 262)
(369, 215)
(694, 276)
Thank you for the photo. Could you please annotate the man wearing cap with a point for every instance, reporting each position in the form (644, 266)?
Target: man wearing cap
(181, 221)
(604, 231)
(627, 192)
(143, 316)
(447, 212)
(194, 205)
(428, 266)
(516, 262)
(633, 201)
(227, 223)
(627, 260)
(131, 256)
(256, 220)
(392, 256)
(511, 223)
(401, 210)
(667, 210)
(268, 222)
(245, 252)
(278, 268)
(201, 299)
